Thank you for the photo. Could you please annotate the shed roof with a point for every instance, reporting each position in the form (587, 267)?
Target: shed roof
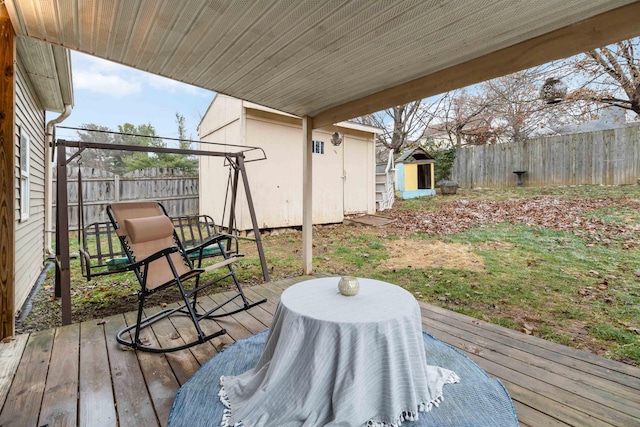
(344, 124)
(330, 60)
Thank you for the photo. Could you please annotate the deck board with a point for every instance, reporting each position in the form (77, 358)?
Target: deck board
(497, 359)
(183, 363)
(597, 365)
(60, 401)
(134, 403)
(10, 355)
(97, 403)
(550, 370)
(22, 407)
(80, 375)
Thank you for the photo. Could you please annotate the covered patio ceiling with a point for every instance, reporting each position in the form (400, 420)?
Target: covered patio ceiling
(328, 60)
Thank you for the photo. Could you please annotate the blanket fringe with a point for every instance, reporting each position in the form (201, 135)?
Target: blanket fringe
(424, 406)
(226, 413)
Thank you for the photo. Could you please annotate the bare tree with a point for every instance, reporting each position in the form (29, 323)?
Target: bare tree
(397, 123)
(506, 109)
(515, 103)
(402, 124)
(466, 118)
(610, 75)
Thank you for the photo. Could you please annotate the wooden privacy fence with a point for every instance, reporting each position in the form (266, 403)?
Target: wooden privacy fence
(609, 157)
(177, 192)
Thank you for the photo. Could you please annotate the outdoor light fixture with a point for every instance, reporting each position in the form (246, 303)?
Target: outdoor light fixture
(336, 138)
(553, 91)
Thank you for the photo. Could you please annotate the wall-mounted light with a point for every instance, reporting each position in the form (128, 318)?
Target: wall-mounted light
(553, 91)
(336, 138)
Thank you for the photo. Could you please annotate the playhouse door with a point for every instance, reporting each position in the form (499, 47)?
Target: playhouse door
(357, 171)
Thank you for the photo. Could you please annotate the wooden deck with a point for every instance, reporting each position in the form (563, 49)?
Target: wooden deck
(79, 375)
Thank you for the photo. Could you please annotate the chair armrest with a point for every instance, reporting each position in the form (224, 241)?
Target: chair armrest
(162, 253)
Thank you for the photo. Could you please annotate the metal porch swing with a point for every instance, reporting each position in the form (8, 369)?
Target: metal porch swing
(193, 251)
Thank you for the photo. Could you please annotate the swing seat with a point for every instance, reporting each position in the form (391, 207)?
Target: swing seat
(159, 260)
(117, 264)
(207, 252)
(101, 253)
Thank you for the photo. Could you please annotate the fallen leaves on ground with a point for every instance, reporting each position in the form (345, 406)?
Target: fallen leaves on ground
(570, 215)
(629, 327)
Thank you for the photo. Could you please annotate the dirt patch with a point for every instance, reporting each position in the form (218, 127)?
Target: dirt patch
(428, 254)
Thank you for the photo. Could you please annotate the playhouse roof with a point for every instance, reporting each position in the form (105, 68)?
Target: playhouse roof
(414, 155)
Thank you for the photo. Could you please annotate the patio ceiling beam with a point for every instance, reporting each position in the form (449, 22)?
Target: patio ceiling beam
(609, 27)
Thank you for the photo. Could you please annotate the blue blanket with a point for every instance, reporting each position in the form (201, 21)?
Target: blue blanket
(477, 400)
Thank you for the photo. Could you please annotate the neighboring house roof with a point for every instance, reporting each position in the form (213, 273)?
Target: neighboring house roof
(434, 131)
(473, 125)
(610, 118)
(414, 154)
(49, 69)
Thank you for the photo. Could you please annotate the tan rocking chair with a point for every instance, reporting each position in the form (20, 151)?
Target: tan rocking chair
(159, 261)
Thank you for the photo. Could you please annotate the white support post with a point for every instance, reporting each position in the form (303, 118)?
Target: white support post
(307, 195)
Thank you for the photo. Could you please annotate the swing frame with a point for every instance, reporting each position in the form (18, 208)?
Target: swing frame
(235, 158)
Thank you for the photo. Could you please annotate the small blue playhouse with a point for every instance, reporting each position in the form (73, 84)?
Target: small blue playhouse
(415, 174)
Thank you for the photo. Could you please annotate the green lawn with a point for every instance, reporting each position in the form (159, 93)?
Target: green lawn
(553, 277)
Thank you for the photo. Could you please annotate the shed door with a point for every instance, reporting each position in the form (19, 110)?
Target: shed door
(356, 175)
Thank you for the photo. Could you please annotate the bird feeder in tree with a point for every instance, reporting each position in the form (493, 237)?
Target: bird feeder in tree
(553, 91)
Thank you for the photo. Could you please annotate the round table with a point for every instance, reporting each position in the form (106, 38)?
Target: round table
(341, 360)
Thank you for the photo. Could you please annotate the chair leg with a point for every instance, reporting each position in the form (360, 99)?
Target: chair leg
(195, 295)
(188, 308)
(191, 308)
(141, 298)
(246, 304)
(141, 323)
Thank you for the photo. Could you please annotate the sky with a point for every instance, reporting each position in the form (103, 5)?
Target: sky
(110, 94)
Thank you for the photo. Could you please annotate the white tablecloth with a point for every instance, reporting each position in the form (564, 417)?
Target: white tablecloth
(338, 361)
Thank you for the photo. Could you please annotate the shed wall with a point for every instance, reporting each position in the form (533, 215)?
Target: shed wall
(221, 121)
(221, 124)
(276, 183)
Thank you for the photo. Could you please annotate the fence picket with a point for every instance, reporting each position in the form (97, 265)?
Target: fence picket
(609, 157)
(178, 193)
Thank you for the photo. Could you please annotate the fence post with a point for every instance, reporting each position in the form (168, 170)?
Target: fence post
(116, 184)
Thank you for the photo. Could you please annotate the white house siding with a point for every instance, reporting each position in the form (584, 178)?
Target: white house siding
(29, 244)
